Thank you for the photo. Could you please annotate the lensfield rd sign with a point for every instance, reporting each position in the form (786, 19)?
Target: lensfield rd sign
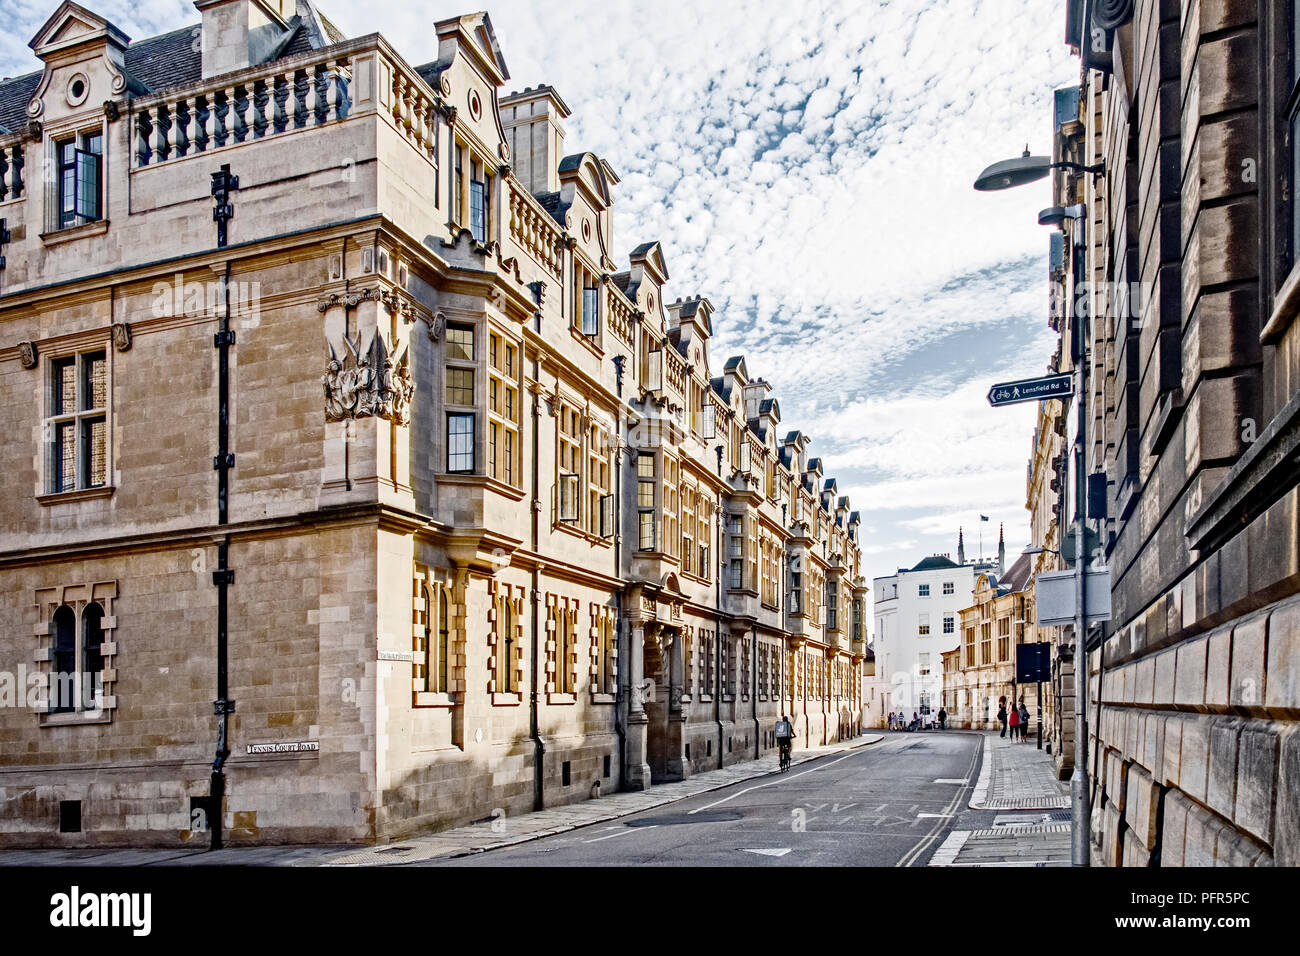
(1031, 390)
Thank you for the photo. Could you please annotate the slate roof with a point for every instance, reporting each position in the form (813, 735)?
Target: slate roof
(934, 563)
(552, 204)
(171, 59)
(1017, 576)
(15, 94)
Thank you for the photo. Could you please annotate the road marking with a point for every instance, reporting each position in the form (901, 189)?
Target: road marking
(837, 807)
(953, 780)
(770, 851)
(932, 815)
(946, 855)
(979, 799)
(774, 782)
(622, 833)
(924, 843)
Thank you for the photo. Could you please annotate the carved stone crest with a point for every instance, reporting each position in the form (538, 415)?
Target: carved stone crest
(27, 354)
(121, 336)
(373, 382)
(349, 300)
(437, 325)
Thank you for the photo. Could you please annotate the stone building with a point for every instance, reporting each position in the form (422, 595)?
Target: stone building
(329, 396)
(1189, 248)
(1046, 497)
(916, 612)
(981, 671)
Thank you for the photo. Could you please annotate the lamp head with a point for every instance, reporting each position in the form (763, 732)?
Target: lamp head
(1014, 172)
(1052, 216)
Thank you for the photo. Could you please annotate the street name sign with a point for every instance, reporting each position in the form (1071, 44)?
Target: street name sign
(1031, 390)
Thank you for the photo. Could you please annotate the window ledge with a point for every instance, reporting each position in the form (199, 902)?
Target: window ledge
(424, 698)
(96, 228)
(602, 698)
(503, 489)
(82, 494)
(562, 698)
(75, 719)
(591, 342)
(505, 700)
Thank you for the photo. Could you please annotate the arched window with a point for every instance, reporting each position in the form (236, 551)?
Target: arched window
(63, 664)
(92, 636)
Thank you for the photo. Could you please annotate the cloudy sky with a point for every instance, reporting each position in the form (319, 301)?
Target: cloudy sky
(807, 165)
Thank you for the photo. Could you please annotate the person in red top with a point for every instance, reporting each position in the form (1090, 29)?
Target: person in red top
(1013, 718)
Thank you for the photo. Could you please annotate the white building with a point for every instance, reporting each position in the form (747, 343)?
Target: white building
(918, 618)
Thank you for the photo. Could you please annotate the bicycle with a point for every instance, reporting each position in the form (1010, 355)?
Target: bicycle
(785, 757)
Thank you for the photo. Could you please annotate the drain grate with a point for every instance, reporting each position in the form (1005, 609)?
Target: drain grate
(1058, 816)
(395, 849)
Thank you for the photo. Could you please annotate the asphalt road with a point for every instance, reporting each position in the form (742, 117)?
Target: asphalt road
(886, 804)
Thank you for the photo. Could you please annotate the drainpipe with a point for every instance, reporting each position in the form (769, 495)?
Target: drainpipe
(717, 634)
(223, 577)
(619, 656)
(753, 694)
(539, 750)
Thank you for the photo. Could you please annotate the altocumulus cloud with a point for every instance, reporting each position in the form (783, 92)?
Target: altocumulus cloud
(808, 166)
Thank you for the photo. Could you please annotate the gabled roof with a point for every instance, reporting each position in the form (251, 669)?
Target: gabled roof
(1017, 576)
(482, 45)
(651, 255)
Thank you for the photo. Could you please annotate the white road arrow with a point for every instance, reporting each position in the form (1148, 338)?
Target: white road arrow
(770, 851)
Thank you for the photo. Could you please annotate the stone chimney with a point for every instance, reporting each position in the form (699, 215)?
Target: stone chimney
(755, 392)
(534, 128)
(241, 33)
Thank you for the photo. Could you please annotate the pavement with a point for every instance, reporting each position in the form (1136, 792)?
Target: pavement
(1015, 778)
(446, 844)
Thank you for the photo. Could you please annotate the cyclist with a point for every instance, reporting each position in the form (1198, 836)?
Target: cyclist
(784, 737)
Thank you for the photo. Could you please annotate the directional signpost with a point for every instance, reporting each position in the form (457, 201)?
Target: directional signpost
(1031, 390)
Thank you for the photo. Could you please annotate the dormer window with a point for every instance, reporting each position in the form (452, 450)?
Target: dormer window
(471, 198)
(478, 203)
(80, 179)
(586, 300)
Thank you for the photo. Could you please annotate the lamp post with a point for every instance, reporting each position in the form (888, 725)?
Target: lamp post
(1005, 175)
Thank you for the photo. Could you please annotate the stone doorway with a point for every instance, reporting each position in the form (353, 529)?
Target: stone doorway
(664, 737)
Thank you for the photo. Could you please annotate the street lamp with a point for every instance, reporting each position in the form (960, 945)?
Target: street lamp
(1005, 175)
(1027, 169)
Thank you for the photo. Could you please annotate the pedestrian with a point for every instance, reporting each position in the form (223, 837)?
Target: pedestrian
(1024, 719)
(1014, 720)
(891, 720)
(916, 721)
(1002, 715)
(943, 719)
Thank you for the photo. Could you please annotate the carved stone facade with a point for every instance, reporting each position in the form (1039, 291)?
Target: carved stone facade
(1194, 401)
(472, 452)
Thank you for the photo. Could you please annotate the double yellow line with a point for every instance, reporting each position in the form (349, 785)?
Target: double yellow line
(912, 855)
